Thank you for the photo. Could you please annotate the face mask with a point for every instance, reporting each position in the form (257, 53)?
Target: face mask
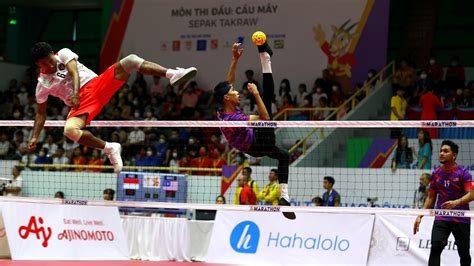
(318, 90)
(370, 75)
(175, 155)
(191, 141)
(202, 153)
(162, 141)
(458, 91)
(423, 76)
(283, 86)
(16, 114)
(305, 102)
(149, 153)
(148, 114)
(238, 160)
(432, 61)
(42, 154)
(136, 115)
(334, 88)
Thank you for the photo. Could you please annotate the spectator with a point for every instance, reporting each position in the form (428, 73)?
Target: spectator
(336, 96)
(203, 161)
(370, 75)
(78, 159)
(435, 71)
(422, 191)
(220, 199)
(286, 103)
(421, 86)
(43, 158)
(96, 160)
(156, 89)
(318, 94)
(250, 79)
(59, 195)
(330, 197)
(325, 83)
(218, 160)
(301, 95)
(297, 152)
(403, 155)
(429, 103)
(189, 101)
(285, 90)
(317, 201)
(247, 172)
(247, 102)
(322, 114)
(13, 188)
(398, 105)
(148, 158)
(246, 194)
(50, 145)
(60, 158)
(22, 96)
(425, 150)
(174, 161)
(404, 77)
(162, 150)
(271, 192)
(108, 194)
(19, 144)
(466, 100)
(455, 75)
(4, 146)
(69, 145)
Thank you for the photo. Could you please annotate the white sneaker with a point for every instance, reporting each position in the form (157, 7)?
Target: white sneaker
(182, 75)
(113, 152)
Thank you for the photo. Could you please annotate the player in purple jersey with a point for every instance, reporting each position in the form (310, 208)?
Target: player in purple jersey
(257, 142)
(453, 186)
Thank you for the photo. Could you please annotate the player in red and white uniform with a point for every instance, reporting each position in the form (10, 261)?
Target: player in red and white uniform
(63, 76)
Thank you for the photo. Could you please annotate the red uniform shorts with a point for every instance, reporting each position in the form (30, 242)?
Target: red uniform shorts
(96, 94)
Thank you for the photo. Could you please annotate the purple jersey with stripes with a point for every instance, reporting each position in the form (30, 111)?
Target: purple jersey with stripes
(240, 138)
(451, 185)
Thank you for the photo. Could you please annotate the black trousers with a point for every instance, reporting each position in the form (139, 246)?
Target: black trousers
(264, 138)
(439, 238)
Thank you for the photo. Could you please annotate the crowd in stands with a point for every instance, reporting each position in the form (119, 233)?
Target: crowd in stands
(428, 93)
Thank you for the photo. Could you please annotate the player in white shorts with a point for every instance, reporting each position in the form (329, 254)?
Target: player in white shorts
(62, 76)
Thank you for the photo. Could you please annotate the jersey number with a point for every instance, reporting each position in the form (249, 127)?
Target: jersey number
(61, 75)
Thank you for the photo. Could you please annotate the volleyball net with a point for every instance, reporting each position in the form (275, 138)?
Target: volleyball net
(190, 162)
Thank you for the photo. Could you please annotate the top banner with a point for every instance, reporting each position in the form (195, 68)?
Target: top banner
(347, 36)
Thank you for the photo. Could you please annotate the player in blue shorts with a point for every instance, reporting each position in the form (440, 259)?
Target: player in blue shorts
(257, 142)
(453, 186)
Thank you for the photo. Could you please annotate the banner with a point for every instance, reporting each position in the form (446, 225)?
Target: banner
(201, 33)
(314, 238)
(64, 232)
(393, 242)
(4, 250)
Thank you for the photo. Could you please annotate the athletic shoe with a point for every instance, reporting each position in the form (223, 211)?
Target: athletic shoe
(113, 152)
(265, 48)
(182, 75)
(288, 215)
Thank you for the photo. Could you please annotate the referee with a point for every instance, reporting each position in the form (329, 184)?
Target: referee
(453, 186)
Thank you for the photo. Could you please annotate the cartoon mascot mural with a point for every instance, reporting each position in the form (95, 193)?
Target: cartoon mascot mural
(339, 51)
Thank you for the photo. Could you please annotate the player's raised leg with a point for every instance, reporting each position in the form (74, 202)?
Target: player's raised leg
(132, 63)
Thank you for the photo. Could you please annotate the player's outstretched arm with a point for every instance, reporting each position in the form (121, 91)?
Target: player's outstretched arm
(237, 51)
(38, 126)
(262, 111)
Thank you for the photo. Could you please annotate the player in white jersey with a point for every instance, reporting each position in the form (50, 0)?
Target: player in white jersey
(62, 76)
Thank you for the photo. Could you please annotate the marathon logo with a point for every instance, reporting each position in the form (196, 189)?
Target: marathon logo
(74, 202)
(439, 124)
(451, 213)
(271, 124)
(265, 208)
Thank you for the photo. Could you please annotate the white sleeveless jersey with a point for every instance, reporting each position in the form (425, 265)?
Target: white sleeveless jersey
(59, 84)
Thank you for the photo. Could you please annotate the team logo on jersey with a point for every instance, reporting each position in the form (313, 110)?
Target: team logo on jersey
(61, 67)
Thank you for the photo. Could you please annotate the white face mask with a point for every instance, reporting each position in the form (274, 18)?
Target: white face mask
(162, 141)
(334, 88)
(42, 154)
(283, 86)
(175, 155)
(149, 153)
(319, 90)
(370, 75)
(136, 115)
(191, 141)
(423, 76)
(458, 91)
(432, 61)
(16, 114)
